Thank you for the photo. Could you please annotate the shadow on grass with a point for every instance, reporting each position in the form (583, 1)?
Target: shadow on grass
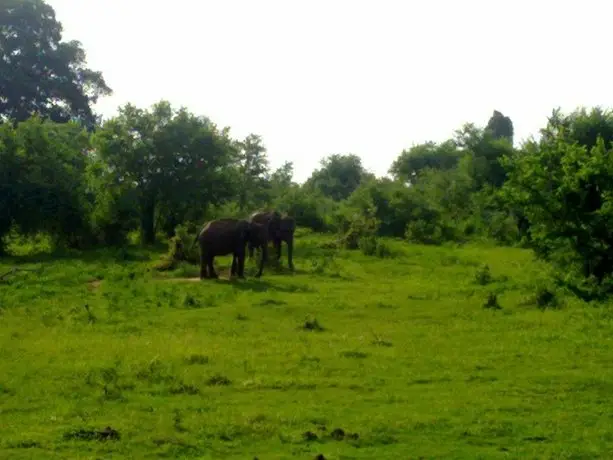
(120, 254)
(262, 285)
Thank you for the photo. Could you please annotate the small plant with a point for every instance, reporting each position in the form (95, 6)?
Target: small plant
(543, 297)
(218, 380)
(197, 359)
(379, 341)
(180, 249)
(325, 264)
(383, 250)
(491, 302)
(156, 372)
(184, 388)
(368, 245)
(312, 325)
(189, 301)
(83, 434)
(178, 421)
(483, 275)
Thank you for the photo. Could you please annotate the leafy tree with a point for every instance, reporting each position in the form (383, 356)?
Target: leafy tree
(386, 200)
(565, 189)
(283, 175)
(174, 160)
(485, 153)
(253, 169)
(338, 176)
(581, 126)
(39, 73)
(310, 208)
(115, 203)
(42, 180)
(427, 155)
(281, 180)
(500, 127)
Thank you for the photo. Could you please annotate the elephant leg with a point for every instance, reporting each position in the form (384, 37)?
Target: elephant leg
(290, 252)
(203, 262)
(262, 260)
(241, 265)
(234, 265)
(212, 272)
(278, 242)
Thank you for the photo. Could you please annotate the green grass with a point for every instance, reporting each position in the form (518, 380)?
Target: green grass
(399, 353)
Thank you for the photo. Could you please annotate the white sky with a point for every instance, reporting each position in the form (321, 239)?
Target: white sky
(348, 76)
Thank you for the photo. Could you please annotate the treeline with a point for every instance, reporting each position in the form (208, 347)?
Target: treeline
(84, 182)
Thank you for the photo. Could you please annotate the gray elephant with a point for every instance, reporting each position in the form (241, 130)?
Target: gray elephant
(229, 236)
(281, 229)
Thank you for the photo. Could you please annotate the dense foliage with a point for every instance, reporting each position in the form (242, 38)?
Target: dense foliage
(65, 173)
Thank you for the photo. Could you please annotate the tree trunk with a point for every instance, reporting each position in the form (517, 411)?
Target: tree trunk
(147, 221)
(170, 225)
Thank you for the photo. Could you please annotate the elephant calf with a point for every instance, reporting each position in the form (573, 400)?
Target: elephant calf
(229, 236)
(281, 229)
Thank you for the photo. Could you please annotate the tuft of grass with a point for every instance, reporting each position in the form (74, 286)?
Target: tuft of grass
(483, 275)
(491, 301)
(409, 364)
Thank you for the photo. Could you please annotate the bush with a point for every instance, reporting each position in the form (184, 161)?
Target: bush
(358, 231)
(181, 248)
(374, 246)
(309, 209)
(565, 190)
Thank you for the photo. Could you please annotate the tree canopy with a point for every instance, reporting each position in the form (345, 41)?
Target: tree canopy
(40, 73)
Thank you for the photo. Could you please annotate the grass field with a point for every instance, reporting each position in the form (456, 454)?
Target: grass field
(351, 357)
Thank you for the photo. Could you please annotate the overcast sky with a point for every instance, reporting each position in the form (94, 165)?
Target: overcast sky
(347, 76)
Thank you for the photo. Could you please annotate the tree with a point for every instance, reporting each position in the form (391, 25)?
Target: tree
(500, 127)
(411, 162)
(338, 176)
(564, 189)
(485, 152)
(42, 180)
(581, 126)
(41, 74)
(281, 179)
(252, 172)
(174, 160)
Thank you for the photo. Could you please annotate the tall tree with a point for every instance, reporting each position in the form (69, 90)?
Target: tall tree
(173, 159)
(410, 163)
(42, 179)
(581, 126)
(253, 170)
(281, 179)
(41, 74)
(338, 176)
(485, 152)
(500, 127)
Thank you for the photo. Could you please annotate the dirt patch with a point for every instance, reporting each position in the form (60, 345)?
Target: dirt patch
(93, 284)
(176, 280)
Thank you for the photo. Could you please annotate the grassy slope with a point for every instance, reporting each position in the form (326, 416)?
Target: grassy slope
(408, 359)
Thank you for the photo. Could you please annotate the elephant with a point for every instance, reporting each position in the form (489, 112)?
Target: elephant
(280, 230)
(229, 236)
